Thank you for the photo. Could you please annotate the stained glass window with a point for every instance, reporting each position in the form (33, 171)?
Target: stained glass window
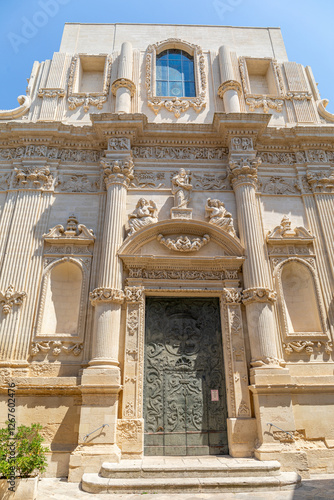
(175, 74)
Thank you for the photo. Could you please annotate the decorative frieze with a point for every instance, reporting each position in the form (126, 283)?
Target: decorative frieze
(184, 243)
(70, 183)
(179, 153)
(177, 274)
(104, 294)
(55, 347)
(258, 295)
(145, 179)
(279, 185)
(11, 298)
(52, 153)
(307, 346)
(211, 182)
(278, 158)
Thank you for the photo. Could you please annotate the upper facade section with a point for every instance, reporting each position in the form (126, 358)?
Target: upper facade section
(172, 74)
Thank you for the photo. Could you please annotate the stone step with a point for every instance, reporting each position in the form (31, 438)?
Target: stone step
(188, 468)
(93, 483)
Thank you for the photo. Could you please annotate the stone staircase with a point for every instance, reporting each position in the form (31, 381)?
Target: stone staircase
(189, 475)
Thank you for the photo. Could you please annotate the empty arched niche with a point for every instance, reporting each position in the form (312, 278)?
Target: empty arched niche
(300, 298)
(62, 299)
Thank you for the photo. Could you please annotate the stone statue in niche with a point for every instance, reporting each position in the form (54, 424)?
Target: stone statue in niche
(144, 214)
(181, 188)
(219, 216)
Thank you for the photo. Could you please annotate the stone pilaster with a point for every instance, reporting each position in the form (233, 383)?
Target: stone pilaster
(230, 89)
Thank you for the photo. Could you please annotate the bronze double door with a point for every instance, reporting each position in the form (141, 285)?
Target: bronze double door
(184, 385)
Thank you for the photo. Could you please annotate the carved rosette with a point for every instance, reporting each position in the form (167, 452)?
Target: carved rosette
(184, 243)
(228, 85)
(243, 171)
(123, 83)
(33, 178)
(258, 295)
(104, 294)
(11, 298)
(117, 172)
(133, 294)
(232, 295)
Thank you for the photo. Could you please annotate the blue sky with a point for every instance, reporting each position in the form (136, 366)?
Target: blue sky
(307, 28)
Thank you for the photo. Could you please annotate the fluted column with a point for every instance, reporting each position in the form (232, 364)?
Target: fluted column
(230, 88)
(108, 296)
(257, 296)
(124, 88)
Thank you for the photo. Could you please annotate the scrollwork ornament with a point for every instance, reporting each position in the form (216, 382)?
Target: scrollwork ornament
(11, 298)
(232, 295)
(258, 295)
(133, 293)
(104, 294)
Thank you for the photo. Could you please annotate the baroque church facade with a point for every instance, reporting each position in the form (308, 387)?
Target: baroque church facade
(166, 249)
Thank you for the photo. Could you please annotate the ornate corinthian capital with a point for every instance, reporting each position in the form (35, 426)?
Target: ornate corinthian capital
(232, 295)
(243, 171)
(104, 294)
(117, 171)
(258, 295)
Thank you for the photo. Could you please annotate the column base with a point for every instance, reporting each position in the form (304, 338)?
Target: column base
(89, 458)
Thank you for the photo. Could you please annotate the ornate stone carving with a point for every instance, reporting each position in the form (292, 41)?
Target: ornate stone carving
(132, 320)
(144, 214)
(284, 231)
(12, 114)
(56, 347)
(33, 178)
(241, 144)
(11, 298)
(283, 158)
(258, 295)
(87, 99)
(232, 295)
(316, 155)
(74, 233)
(133, 293)
(279, 185)
(211, 182)
(179, 153)
(129, 429)
(174, 104)
(117, 171)
(321, 182)
(78, 184)
(264, 102)
(184, 243)
(123, 83)
(170, 274)
(104, 294)
(51, 93)
(308, 346)
(53, 153)
(181, 188)
(228, 85)
(243, 171)
(119, 144)
(298, 96)
(146, 179)
(5, 181)
(215, 210)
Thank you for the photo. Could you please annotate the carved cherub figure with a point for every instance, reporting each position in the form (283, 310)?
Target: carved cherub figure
(144, 214)
(219, 216)
(181, 188)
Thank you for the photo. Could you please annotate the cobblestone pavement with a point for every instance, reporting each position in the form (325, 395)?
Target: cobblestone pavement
(319, 487)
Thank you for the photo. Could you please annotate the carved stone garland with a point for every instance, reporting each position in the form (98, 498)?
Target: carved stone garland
(174, 104)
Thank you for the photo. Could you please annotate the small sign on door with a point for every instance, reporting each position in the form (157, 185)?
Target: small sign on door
(214, 395)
